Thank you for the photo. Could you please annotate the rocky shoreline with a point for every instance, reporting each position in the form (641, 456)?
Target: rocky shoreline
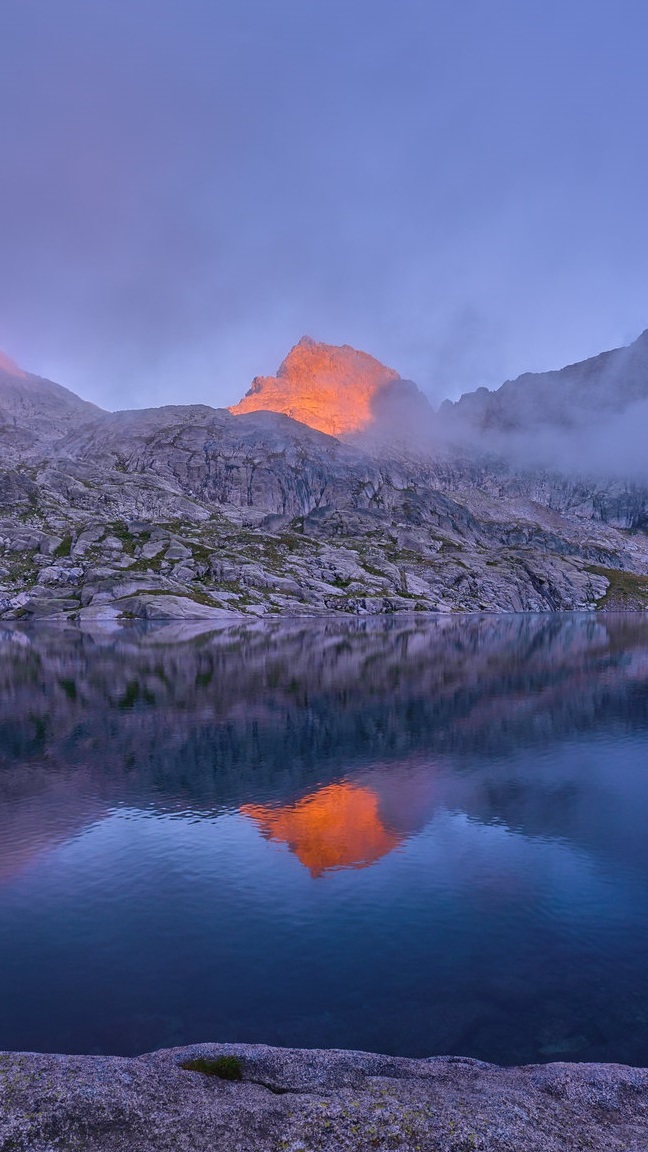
(302, 1100)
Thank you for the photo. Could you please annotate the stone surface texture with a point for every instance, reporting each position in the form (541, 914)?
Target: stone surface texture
(292, 1100)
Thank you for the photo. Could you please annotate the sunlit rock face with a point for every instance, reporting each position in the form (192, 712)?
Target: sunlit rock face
(7, 366)
(330, 388)
(339, 826)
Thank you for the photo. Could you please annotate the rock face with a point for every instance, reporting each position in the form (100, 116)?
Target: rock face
(316, 1101)
(331, 389)
(190, 510)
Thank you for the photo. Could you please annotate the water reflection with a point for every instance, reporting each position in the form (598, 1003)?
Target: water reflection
(339, 826)
(416, 836)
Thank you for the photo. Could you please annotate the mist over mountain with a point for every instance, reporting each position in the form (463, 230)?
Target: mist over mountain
(589, 417)
(529, 498)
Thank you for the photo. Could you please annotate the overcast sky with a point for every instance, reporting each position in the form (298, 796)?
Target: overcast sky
(459, 187)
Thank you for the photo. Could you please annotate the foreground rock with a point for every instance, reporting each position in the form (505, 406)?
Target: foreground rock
(292, 1100)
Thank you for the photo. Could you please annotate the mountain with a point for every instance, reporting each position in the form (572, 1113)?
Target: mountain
(336, 390)
(588, 417)
(187, 510)
(35, 412)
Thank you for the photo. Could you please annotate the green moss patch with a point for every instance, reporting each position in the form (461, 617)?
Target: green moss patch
(627, 591)
(224, 1067)
(64, 548)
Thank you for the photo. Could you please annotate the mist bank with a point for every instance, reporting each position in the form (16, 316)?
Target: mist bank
(588, 419)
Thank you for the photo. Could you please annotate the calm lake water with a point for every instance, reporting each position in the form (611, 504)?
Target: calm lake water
(417, 837)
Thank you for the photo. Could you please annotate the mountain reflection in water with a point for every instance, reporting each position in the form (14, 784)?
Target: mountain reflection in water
(337, 827)
(414, 835)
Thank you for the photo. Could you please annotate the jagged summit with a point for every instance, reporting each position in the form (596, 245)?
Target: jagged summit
(331, 388)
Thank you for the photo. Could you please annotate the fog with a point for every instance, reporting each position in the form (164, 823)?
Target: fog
(610, 447)
(186, 188)
(589, 418)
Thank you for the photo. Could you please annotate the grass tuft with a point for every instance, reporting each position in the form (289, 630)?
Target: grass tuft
(64, 548)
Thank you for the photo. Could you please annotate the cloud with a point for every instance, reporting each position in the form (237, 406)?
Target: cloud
(185, 188)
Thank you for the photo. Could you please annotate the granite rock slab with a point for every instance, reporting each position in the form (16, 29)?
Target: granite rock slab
(292, 1100)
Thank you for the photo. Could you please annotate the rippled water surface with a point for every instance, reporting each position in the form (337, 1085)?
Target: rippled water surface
(415, 837)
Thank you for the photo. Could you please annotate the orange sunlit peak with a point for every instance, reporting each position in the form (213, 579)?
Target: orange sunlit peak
(7, 365)
(337, 827)
(331, 388)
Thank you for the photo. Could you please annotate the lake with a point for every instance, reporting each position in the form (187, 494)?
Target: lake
(417, 836)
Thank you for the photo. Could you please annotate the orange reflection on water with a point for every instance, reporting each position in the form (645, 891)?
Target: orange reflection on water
(338, 827)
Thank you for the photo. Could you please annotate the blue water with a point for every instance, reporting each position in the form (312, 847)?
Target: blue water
(417, 837)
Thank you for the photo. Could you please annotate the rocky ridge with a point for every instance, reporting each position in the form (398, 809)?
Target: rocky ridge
(605, 384)
(194, 511)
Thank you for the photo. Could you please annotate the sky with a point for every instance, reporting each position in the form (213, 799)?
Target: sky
(187, 187)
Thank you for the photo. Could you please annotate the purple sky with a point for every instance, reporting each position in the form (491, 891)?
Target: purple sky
(188, 186)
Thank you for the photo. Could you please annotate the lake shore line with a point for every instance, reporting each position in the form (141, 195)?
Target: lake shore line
(316, 1100)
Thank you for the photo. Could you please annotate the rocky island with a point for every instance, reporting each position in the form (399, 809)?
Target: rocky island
(333, 487)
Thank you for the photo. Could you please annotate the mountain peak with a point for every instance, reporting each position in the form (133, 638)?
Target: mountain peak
(7, 365)
(329, 387)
